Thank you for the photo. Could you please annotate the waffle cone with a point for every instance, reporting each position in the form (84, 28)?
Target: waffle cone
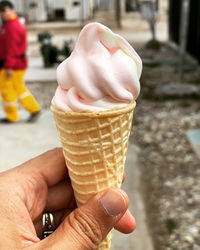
(95, 147)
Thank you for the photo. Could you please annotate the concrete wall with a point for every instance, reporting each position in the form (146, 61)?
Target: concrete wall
(58, 4)
(36, 10)
(19, 5)
(81, 11)
(107, 5)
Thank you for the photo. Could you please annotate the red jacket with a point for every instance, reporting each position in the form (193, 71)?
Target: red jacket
(13, 45)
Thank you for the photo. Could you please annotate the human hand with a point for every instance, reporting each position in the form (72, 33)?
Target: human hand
(9, 73)
(42, 185)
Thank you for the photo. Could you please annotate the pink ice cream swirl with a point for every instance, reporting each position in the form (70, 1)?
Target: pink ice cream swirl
(102, 72)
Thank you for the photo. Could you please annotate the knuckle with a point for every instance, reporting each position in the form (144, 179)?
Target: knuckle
(87, 228)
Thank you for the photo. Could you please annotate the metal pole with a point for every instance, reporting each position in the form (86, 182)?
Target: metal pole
(47, 9)
(118, 13)
(83, 11)
(152, 27)
(153, 20)
(184, 21)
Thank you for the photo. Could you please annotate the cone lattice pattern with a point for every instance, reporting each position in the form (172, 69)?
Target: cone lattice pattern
(95, 148)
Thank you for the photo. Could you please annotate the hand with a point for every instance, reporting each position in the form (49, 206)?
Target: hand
(42, 185)
(9, 73)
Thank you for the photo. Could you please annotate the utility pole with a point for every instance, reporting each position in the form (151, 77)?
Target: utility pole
(46, 4)
(118, 13)
(148, 12)
(184, 21)
(83, 6)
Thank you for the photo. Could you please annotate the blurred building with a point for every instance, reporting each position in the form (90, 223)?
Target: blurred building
(49, 10)
(33, 10)
(68, 10)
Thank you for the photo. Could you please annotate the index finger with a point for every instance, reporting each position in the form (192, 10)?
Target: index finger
(50, 165)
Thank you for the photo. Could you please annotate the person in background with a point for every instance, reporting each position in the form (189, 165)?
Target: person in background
(13, 63)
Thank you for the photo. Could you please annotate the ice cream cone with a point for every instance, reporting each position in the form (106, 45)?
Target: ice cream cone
(95, 147)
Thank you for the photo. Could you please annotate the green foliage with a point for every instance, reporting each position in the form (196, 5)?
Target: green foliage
(44, 35)
(49, 54)
(171, 225)
(66, 51)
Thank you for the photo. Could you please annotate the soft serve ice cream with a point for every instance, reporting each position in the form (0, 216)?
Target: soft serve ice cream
(102, 72)
(93, 110)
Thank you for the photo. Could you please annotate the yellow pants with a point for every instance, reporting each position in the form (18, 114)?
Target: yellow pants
(13, 89)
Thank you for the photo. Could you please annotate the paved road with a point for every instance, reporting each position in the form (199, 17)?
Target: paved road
(38, 73)
(22, 141)
(140, 239)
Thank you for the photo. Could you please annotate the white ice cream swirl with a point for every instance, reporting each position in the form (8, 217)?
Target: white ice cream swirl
(102, 72)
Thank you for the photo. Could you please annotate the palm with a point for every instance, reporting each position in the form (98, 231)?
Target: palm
(57, 199)
(46, 199)
(33, 190)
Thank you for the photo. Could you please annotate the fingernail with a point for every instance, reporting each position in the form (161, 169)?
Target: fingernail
(114, 202)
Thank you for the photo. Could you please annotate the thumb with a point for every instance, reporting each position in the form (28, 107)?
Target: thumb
(88, 225)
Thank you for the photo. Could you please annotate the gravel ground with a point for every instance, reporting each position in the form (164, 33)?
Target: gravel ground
(170, 169)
